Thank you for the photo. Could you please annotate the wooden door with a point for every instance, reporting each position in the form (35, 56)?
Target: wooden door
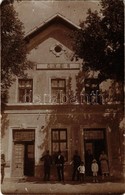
(29, 161)
(18, 160)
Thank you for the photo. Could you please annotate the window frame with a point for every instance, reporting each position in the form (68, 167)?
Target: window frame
(59, 141)
(92, 95)
(57, 98)
(25, 89)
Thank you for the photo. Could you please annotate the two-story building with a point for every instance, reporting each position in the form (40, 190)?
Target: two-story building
(44, 112)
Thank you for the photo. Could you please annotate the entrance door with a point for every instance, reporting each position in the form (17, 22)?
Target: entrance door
(95, 143)
(23, 152)
(18, 160)
(29, 159)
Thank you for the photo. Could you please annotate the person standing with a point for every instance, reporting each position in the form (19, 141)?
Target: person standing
(81, 170)
(47, 165)
(60, 166)
(94, 168)
(104, 164)
(76, 163)
(3, 163)
(88, 162)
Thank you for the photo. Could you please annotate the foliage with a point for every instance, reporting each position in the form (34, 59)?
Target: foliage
(13, 49)
(5, 2)
(113, 93)
(100, 41)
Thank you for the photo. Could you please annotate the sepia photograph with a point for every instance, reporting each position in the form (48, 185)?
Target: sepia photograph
(62, 97)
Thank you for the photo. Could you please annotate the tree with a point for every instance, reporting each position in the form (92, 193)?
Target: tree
(100, 41)
(13, 49)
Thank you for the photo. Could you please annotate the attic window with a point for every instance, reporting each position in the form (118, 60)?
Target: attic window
(57, 49)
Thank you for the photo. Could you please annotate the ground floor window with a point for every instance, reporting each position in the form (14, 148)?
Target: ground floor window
(59, 142)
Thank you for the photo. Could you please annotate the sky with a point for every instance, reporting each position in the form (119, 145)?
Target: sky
(32, 13)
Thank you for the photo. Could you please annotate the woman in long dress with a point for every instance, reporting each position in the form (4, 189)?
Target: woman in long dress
(104, 164)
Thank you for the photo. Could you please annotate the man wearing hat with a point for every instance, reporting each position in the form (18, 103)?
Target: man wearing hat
(94, 168)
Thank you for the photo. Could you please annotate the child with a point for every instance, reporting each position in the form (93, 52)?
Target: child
(81, 170)
(94, 168)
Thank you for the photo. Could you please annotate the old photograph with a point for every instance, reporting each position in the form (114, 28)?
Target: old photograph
(62, 97)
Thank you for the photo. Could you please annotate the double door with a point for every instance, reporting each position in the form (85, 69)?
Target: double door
(23, 159)
(95, 143)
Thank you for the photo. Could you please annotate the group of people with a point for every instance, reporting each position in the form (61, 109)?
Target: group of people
(79, 169)
(59, 161)
(91, 166)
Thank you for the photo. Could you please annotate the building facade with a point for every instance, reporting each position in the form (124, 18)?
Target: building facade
(44, 111)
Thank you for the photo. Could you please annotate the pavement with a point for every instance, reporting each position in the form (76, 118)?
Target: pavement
(20, 187)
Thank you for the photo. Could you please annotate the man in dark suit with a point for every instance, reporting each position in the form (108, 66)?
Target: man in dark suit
(47, 165)
(76, 160)
(60, 166)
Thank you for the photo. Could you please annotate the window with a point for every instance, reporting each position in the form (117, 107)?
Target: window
(57, 49)
(25, 87)
(58, 90)
(59, 142)
(23, 135)
(92, 91)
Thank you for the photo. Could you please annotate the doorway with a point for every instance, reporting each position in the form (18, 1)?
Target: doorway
(95, 143)
(29, 158)
(23, 153)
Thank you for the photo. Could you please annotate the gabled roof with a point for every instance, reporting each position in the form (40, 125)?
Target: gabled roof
(56, 19)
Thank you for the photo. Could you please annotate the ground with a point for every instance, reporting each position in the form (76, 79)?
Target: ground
(53, 187)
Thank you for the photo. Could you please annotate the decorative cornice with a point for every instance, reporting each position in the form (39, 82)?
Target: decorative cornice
(76, 108)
